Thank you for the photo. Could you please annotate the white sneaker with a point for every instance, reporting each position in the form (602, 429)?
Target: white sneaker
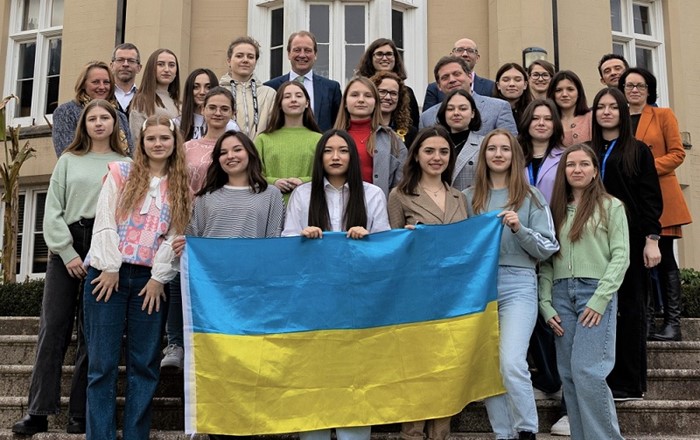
(561, 427)
(174, 357)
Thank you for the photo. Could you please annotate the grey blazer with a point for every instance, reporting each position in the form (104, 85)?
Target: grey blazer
(465, 163)
(495, 113)
(389, 156)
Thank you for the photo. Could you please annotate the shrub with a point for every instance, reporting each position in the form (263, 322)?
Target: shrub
(21, 299)
(690, 293)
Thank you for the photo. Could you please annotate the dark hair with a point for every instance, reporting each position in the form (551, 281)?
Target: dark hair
(546, 65)
(365, 67)
(277, 116)
(82, 143)
(218, 90)
(608, 57)
(243, 40)
(524, 136)
(216, 177)
(300, 34)
(581, 107)
(649, 78)
(626, 143)
(412, 172)
(592, 200)
(401, 116)
(188, 104)
(146, 99)
(474, 125)
(449, 60)
(127, 46)
(355, 212)
(524, 99)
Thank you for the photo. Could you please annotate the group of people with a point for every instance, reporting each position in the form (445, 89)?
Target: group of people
(587, 195)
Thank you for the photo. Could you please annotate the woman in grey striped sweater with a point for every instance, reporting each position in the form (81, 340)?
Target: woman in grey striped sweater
(236, 200)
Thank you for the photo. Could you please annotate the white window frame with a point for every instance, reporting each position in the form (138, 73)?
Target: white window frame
(379, 11)
(29, 224)
(631, 40)
(42, 36)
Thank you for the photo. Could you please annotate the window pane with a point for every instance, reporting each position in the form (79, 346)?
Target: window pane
(355, 24)
(40, 251)
(618, 49)
(52, 77)
(276, 56)
(57, 13)
(277, 27)
(644, 58)
(25, 78)
(30, 15)
(641, 20)
(322, 66)
(319, 23)
(615, 15)
(397, 29)
(352, 56)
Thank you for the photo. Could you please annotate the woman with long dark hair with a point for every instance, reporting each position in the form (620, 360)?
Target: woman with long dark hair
(394, 105)
(628, 173)
(511, 85)
(566, 90)
(658, 128)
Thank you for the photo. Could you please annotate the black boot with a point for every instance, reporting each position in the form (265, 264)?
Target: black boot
(671, 330)
(30, 425)
(524, 435)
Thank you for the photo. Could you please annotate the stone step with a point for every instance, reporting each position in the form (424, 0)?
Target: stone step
(21, 349)
(179, 435)
(14, 381)
(670, 384)
(673, 355)
(650, 417)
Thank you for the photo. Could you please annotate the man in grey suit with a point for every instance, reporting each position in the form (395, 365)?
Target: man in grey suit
(452, 73)
(325, 93)
(468, 50)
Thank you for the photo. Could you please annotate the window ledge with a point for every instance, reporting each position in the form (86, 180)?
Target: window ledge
(34, 131)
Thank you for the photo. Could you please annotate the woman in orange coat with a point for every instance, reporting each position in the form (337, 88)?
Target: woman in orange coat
(658, 128)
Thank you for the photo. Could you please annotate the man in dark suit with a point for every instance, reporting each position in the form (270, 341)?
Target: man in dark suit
(466, 49)
(325, 93)
(453, 73)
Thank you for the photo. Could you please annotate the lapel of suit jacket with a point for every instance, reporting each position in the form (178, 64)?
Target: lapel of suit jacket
(469, 150)
(549, 162)
(426, 205)
(451, 206)
(644, 121)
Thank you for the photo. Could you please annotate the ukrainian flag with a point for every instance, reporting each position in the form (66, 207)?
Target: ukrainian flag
(291, 334)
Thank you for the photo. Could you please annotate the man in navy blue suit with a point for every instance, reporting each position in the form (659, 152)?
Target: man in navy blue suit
(468, 50)
(325, 93)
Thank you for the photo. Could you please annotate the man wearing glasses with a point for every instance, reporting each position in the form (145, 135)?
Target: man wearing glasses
(125, 65)
(468, 50)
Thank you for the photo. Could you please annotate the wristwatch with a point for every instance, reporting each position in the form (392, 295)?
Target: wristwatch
(653, 237)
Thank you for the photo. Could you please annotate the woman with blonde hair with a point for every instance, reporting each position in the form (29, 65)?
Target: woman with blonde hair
(95, 81)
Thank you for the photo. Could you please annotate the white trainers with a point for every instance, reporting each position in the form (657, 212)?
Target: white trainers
(174, 357)
(561, 427)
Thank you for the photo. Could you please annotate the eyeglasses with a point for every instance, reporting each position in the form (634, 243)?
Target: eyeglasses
(380, 55)
(469, 50)
(640, 86)
(538, 75)
(129, 61)
(384, 93)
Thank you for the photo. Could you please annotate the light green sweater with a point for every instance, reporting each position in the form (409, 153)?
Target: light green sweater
(602, 254)
(75, 186)
(287, 152)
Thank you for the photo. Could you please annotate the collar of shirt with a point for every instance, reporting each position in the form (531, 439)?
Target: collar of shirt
(309, 76)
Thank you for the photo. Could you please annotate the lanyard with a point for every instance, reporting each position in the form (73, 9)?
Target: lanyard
(605, 159)
(531, 173)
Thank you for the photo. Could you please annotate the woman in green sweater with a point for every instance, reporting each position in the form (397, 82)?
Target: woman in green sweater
(288, 143)
(578, 290)
(69, 213)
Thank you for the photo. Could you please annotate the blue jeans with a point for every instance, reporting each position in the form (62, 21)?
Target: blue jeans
(515, 411)
(174, 325)
(105, 323)
(354, 433)
(585, 357)
(61, 302)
